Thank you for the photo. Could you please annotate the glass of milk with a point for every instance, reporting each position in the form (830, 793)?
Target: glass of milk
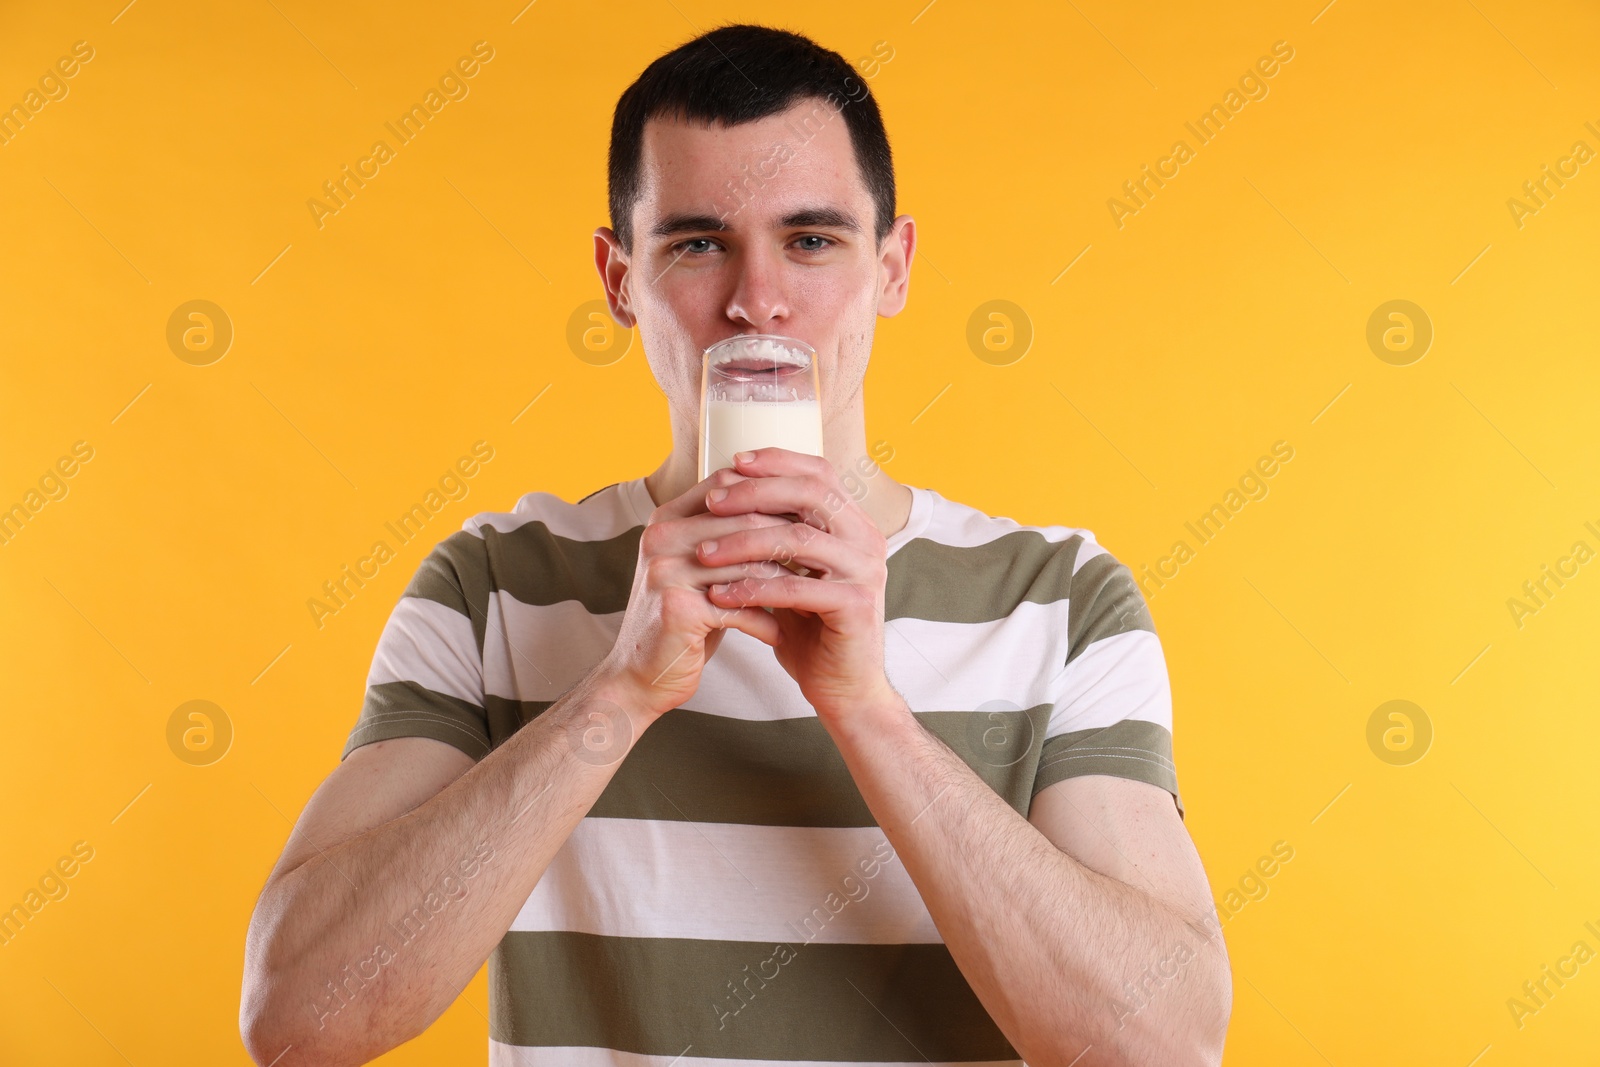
(758, 391)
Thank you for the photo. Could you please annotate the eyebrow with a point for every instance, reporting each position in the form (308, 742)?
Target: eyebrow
(689, 222)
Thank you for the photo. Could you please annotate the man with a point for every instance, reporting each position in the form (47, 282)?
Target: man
(911, 801)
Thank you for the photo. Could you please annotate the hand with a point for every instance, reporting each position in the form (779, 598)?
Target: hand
(671, 628)
(830, 619)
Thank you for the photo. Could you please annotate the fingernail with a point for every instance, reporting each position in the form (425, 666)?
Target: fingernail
(719, 588)
(708, 547)
(744, 457)
(718, 494)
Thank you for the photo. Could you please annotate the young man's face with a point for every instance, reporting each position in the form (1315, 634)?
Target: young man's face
(793, 252)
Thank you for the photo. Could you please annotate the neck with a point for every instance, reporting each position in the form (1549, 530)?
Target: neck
(886, 502)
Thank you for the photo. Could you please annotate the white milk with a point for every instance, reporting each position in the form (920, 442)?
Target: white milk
(730, 426)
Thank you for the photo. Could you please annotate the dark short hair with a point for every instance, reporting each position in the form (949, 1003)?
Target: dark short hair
(740, 73)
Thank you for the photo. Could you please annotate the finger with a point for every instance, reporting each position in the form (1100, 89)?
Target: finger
(692, 501)
(683, 536)
(790, 542)
(809, 594)
(663, 537)
(815, 499)
(777, 460)
(752, 621)
(683, 570)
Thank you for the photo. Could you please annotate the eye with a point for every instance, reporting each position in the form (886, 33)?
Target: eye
(826, 243)
(683, 246)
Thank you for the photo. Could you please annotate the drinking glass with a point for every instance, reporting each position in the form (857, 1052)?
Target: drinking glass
(757, 391)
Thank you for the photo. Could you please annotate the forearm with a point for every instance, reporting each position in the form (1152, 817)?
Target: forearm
(357, 950)
(1053, 950)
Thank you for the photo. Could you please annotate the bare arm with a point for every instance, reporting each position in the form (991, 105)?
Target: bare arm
(388, 899)
(1043, 918)
(1173, 989)
(1080, 955)
(410, 863)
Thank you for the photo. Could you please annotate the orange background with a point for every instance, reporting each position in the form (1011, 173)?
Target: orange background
(1229, 313)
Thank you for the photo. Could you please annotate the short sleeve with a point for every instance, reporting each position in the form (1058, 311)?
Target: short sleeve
(1111, 710)
(426, 678)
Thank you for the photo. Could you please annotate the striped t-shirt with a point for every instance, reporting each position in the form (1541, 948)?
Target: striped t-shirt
(729, 897)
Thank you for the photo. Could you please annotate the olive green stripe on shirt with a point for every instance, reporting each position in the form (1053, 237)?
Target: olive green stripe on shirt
(455, 573)
(711, 768)
(539, 567)
(1131, 748)
(542, 569)
(406, 709)
(694, 767)
(805, 1001)
(1105, 602)
(978, 583)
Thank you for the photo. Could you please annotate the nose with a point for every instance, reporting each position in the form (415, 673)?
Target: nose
(759, 298)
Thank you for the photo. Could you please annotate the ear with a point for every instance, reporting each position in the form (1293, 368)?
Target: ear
(894, 265)
(611, 260)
